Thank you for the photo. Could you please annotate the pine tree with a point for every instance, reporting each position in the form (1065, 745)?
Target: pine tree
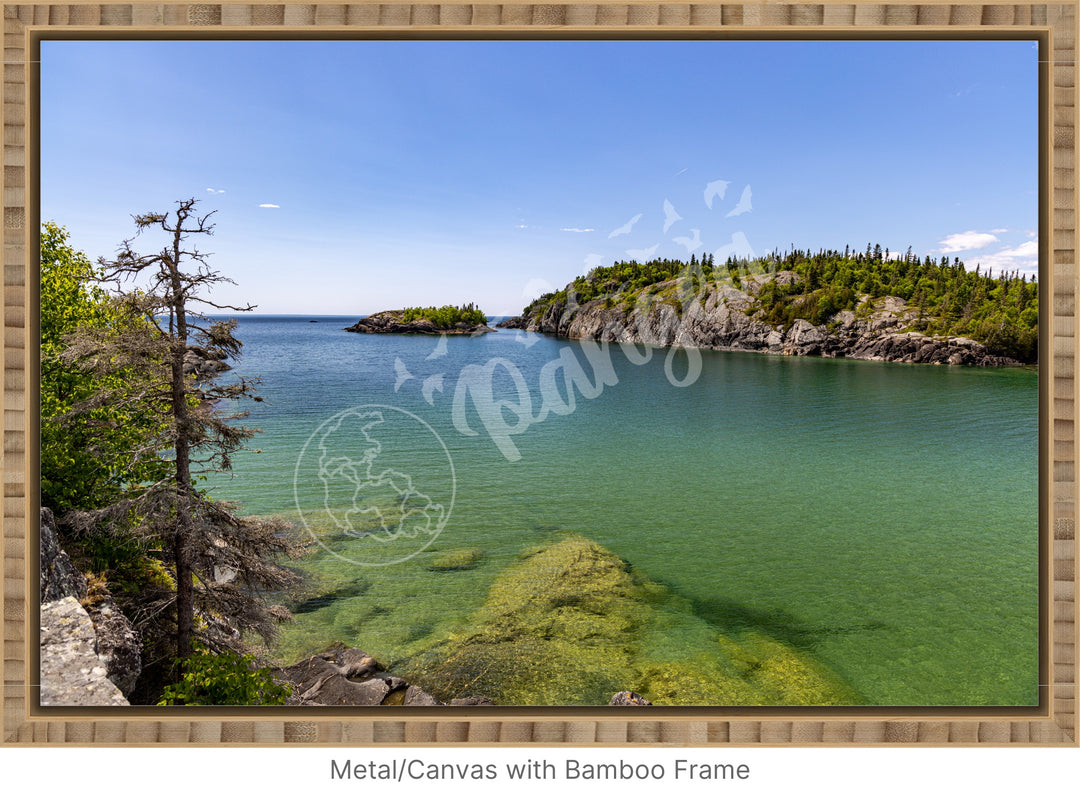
(218, 561)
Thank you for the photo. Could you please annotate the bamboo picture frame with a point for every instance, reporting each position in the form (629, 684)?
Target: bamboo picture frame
(1051, 722)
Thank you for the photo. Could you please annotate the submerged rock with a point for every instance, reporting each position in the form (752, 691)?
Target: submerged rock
(572, 623)
(344, 590)
(456, 560)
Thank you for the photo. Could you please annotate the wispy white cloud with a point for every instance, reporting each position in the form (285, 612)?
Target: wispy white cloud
(967, 241)
(1027, 250)
(213, 191)
(578, 230)
(269, 206)
(1024, 258)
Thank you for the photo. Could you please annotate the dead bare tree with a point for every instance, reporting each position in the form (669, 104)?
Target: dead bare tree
(219, 561)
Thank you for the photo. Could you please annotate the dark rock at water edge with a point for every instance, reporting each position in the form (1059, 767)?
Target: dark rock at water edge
(629, 699)
(511, 323)
(204, 366)
(342, 676)
(390, 322)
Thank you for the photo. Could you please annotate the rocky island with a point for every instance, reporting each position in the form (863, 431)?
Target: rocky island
(827, 304)
(467, 319)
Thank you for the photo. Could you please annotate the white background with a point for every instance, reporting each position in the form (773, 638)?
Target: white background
(298, 773)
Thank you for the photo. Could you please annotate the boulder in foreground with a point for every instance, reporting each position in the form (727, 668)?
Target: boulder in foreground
(72, 673)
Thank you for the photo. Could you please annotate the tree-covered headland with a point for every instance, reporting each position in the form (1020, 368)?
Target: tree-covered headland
(1001, 312)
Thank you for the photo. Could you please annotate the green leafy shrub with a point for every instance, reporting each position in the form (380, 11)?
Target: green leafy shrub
(84, 462)
(224, 679)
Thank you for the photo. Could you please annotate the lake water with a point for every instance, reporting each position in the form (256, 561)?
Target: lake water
(882, 517)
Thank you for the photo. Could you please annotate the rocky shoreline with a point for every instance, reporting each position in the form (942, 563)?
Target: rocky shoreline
(90, 653)
(728, 318)
(390, 322)
(203, 365)
(573, 638)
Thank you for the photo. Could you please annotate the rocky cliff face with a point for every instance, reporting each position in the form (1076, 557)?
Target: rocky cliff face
(727, 318)
(59, 576)
(90, 652)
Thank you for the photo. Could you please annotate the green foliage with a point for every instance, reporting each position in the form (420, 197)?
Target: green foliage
(445, 317)
(1000, 312)
(85, 453)
(224, 679)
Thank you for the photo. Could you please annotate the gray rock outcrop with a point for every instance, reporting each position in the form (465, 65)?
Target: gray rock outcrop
(59, 576)
(728, 318)
(204, 366)
(117, 643)
(72, 673)
(114, 639)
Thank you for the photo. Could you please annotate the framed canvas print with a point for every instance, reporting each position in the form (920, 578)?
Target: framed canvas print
(541, 373)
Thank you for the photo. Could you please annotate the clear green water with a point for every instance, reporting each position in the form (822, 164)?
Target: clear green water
(882, 517)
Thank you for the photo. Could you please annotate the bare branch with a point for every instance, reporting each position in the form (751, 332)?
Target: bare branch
(220, 562)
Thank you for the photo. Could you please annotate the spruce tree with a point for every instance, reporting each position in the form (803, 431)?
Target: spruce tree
(218, 561)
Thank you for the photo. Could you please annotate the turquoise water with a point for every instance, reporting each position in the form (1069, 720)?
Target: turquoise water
(882, 517)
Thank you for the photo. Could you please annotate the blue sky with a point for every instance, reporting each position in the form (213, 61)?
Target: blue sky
(350, 177)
